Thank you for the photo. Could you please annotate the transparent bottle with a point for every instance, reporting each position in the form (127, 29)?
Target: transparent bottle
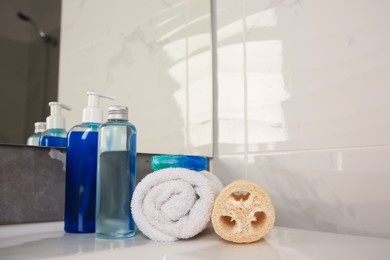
(33, 139)
(115, 176)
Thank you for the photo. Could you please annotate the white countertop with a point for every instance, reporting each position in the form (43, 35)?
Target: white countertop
(48, 241)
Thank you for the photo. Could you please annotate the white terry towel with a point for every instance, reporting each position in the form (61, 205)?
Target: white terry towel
(174, 203)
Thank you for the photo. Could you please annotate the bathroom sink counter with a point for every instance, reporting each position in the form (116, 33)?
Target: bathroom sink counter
(48, 241)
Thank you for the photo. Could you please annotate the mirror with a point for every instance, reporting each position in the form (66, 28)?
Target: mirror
(154, 57)
(28, 65)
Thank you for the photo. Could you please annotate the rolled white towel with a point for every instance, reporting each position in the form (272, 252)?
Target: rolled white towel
(174, 203)
(216, 184)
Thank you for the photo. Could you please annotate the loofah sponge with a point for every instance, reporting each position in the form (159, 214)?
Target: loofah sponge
(243, 213)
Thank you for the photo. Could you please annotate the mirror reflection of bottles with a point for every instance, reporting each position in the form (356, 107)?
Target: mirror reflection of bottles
(115, 176)
(55, 134)
(33, 139)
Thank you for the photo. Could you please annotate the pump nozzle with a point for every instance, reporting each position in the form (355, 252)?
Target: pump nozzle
(56, 120)
(92, 113)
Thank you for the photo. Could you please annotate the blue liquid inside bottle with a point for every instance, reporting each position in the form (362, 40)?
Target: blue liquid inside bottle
(80, 191)
(53, 141)
(54, 138)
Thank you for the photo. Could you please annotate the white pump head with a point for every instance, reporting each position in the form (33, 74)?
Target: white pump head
(56, 120)
(92, 113)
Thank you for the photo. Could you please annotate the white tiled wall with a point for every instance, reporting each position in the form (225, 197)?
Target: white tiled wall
(153, 56)
(302, 108)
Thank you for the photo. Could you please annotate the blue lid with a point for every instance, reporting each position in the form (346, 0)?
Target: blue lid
(195, 163)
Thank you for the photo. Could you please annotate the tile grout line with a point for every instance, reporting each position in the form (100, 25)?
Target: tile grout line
(244, 29)
(265, 153)
(187, 107)
(214, 61)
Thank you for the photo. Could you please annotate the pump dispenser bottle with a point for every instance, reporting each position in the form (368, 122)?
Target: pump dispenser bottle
(33, 139)
(116, 176)
(55, 134)
(81, 166)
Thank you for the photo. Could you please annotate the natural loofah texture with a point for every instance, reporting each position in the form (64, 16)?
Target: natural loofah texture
(243, 213)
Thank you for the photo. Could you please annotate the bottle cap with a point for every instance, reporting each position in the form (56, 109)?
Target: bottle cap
(191, 162)
(56, 120)
(40, 127)
(92, 113)
(118, 112)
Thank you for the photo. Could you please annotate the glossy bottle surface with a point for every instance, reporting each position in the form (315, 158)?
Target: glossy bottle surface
(80, 189)
(116, 180)
(54, 138)
(34, 139)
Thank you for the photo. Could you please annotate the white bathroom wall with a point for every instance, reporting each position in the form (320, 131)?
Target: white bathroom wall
(302, 106)
(153, 56)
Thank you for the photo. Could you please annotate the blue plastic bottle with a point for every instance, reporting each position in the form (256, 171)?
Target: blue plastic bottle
(81, 166)
(116, 176)
(55, 134)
